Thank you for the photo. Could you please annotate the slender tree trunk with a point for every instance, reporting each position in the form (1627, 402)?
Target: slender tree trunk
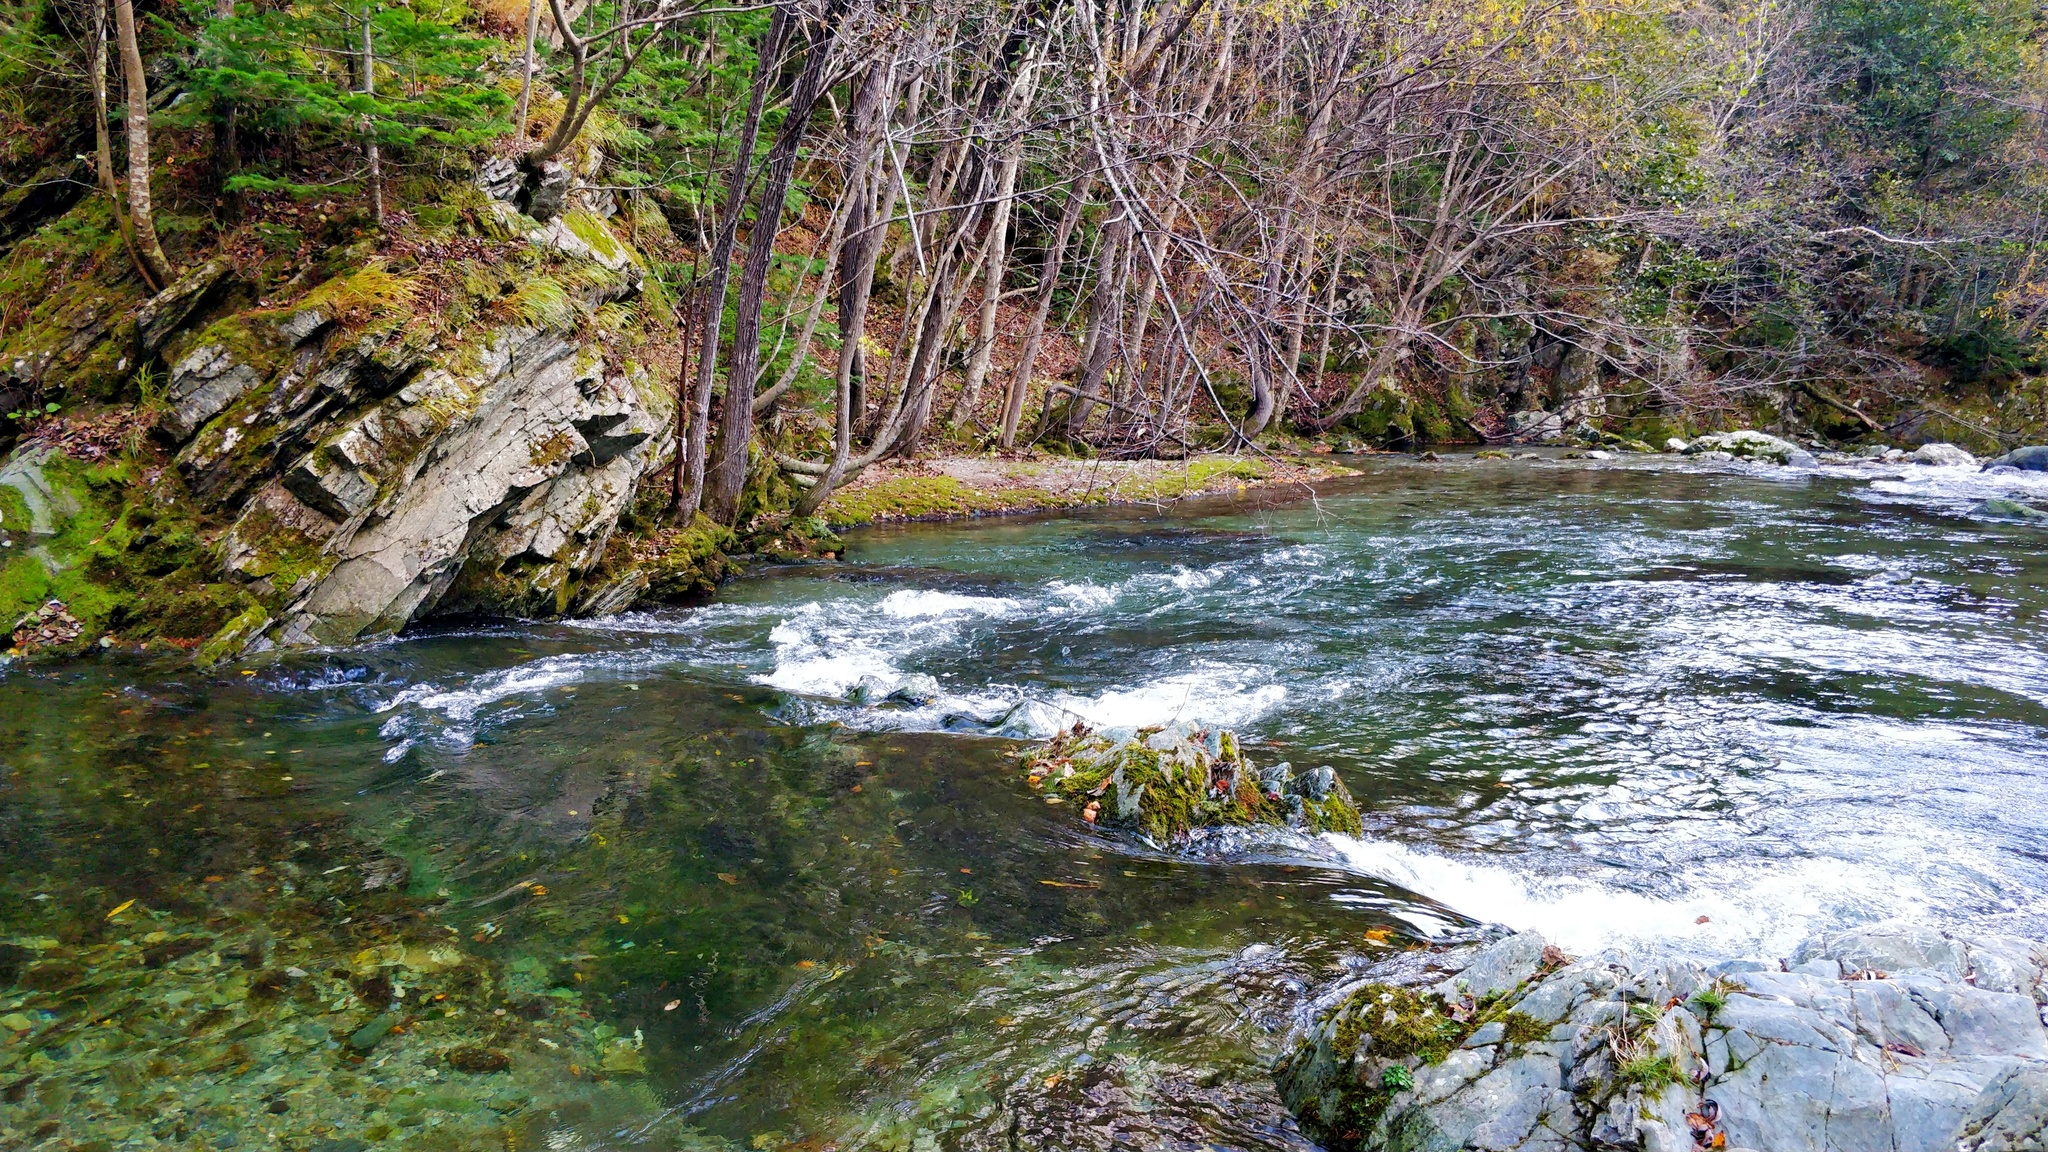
(1105, 319)
(1034, 336)
(856, 280)
(736, 425)
(678, 465)
(103, 151)
(519, 116)
(149, 250)
(720, 264)
(227, 145)
(370, 152)
(996, 258)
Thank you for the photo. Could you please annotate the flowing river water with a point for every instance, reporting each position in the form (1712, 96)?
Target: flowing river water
(764, 873)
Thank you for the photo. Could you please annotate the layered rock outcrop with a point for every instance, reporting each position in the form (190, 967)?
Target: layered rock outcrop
(361, 458)
(1899, 1039)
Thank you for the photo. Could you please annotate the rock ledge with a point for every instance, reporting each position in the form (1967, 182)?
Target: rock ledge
(1895, 1038)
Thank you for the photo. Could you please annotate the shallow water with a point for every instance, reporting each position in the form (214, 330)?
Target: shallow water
(707, 885)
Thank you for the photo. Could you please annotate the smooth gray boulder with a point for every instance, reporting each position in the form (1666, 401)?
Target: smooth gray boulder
(2029, 459)
(1941, 455)
(1749, 444)
(1894, 1037)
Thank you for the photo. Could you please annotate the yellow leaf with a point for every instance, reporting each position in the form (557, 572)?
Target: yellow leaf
(728, 877)
(125, 905)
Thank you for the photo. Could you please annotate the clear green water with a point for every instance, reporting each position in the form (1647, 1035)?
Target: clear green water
(694, 881)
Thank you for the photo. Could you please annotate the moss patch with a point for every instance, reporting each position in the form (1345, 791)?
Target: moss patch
(126, 558)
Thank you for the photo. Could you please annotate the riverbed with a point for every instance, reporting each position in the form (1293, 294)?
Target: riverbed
(764, 873)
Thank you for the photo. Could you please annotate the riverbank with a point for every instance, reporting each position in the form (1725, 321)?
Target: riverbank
(960, 486)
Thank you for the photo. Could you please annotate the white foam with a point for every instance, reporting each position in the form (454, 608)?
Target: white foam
(1756, 908)
(1218, 696)
(460, 708)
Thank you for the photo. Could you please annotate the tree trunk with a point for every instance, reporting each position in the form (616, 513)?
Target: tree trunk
(1105, 319)
(996, 257)
(720, 265)
(156, 267)
(370, 153)
(526, 70)
(103, 151)
(857, 277)
(736, 426)
(1034, 336)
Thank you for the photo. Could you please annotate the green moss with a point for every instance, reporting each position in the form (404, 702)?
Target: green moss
(678, 565)
(126, 559)
(1521, 1029)
(278, 556)
(233, 637)
(593, 231)
(909, 498)
(250, 337)
(1390, 1022)
(1168, 783)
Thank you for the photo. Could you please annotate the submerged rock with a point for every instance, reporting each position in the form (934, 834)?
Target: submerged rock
(2001, 508)
(1897, 1038)
(2030, 459)
(1749, 444)
(1168, 783)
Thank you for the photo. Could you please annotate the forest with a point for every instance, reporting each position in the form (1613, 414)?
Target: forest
(1120, 228)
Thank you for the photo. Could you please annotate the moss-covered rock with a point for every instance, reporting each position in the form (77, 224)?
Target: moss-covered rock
(122, 554)
(1169, 783)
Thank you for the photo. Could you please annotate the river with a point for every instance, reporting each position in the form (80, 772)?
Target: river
(764, 873)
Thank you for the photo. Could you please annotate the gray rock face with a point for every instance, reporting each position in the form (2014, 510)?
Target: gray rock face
(206, 381)
(1894, 1038)
(2030, 459)
(2011, 1115)
(1748, 444)
(376, 478)
(156, 320)
(1535, 424)
(509, 485)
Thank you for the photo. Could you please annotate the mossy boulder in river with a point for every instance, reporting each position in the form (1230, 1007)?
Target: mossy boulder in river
(1168, 783)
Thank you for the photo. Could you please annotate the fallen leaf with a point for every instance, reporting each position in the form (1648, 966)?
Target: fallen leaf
(807, 963)
(1378, 935)
(125, 905)
(1067, 884)
(671, 1005)
(1701, 920)
(728, 877)
(1005, 1021)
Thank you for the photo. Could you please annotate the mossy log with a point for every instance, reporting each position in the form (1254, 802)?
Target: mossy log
(1168, 783)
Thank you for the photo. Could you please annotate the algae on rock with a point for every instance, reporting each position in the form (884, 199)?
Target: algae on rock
(1168, 783)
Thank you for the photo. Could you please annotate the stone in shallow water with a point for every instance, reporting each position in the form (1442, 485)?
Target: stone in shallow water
(1749, 444)
(1943, 456)
(1167, 783)
(2033, 458)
